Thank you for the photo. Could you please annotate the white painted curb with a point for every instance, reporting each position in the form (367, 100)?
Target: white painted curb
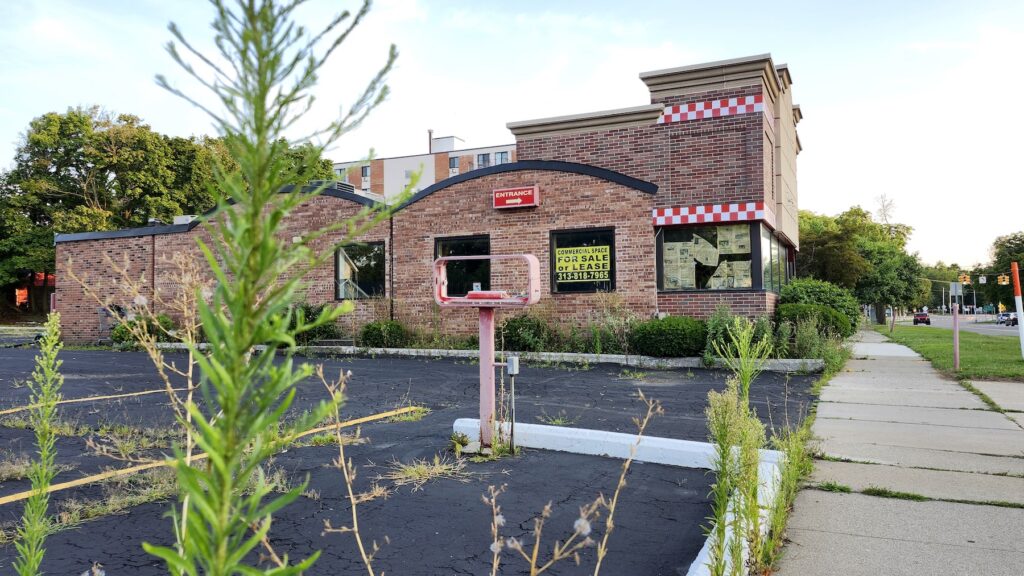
(655, 450)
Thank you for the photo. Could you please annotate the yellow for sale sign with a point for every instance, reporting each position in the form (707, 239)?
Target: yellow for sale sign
(583, 264)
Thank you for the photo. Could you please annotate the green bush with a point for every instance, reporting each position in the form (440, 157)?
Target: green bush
(310, 312)
(783, 335)
(161, 326)
(672, 336)
(384, 334)
(525, 333)
(811, 291)
(829, 320)
(718, 330)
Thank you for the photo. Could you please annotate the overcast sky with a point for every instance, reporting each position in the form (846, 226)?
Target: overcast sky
(914, 100)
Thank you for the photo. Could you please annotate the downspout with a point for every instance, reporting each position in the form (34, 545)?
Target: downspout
(152, 270)
(391, 266)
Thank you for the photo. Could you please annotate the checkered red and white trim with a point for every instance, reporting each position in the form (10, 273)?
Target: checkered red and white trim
(736, 212)
(712, 109)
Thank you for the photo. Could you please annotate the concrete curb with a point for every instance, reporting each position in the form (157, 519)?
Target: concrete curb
(805, 365)
(667, 451)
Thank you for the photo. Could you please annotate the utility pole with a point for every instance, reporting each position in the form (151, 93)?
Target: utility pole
(1015, 272)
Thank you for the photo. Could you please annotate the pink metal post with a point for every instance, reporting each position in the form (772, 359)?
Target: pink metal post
(486, 301)
(486, 376)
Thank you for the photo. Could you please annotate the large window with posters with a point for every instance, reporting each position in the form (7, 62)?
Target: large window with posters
(463, 275)
(359, 271)
(583, 260)
(713, 257)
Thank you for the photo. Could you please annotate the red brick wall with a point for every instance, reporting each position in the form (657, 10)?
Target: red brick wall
(355, 177)
(377, 177)
(90, 261)
(715, 160)
(440, 167)
(569, 201)
(81, 321)
(702, 304)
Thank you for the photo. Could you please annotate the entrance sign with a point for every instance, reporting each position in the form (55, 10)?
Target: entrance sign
(520, 197)
(583, 264)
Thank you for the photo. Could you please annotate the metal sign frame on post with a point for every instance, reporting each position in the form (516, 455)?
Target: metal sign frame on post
(487, 301)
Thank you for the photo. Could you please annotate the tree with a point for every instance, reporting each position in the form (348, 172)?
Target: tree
(828, 251)
(1005, 250)
(893, 279)
(89, 170)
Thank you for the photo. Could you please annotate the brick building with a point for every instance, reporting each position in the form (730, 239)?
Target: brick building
(674, 207)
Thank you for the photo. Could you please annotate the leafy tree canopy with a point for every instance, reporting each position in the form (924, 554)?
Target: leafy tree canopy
(87, 169)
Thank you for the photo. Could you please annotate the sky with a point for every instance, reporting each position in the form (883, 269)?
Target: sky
(911, 100)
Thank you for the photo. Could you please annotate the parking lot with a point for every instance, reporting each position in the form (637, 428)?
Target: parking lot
(443, 528)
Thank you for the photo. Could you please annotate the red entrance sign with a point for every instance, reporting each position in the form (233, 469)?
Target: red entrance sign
(516, 197)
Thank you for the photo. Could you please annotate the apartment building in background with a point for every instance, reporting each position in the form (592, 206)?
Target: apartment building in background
(388, 177)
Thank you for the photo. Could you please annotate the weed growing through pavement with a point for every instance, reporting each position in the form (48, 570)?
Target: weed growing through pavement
(589, 518)
(45, 386)
(743, 354)
(629, 374)
(421, 470)
(249, 375)
(14, 466)
(831, 486)
(887, 493)
(560, 419)
(336, 390)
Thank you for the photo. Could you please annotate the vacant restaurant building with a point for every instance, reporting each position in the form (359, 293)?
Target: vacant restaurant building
(676, 207)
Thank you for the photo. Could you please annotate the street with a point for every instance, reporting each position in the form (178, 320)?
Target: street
(967, 323)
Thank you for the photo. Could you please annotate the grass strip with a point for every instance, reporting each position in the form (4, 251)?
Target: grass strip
(981, 356)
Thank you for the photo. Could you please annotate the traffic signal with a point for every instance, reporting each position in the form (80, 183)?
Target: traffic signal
(1003, 280)
(965, 279)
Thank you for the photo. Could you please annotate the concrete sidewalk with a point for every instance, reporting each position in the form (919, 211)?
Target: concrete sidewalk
(890, 421)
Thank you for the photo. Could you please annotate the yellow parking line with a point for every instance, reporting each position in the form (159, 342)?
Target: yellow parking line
(142, 467)
(91, 399)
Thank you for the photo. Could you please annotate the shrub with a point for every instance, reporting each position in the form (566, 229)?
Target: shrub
(783, 335)
(160, 326)
(310, 312)
(811, 291)
(526, 333)
(829, 320)
(672, 336)
(718, 330)
(384, 334)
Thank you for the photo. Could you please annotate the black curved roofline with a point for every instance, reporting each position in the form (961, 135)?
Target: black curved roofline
(548, 165)
(333, 191)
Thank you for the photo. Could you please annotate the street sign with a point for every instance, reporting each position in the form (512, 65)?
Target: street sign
(519, 197)
(982, 279)
(956, 289)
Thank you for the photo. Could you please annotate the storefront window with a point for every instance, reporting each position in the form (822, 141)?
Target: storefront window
(359, 271)
(462, 275)
(767, 270)
(775, 261)
(777, 270)
(706, 257)
(583, 260)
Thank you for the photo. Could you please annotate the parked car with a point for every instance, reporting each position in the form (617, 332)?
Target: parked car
(1002, 317)
(1012, 320)
(922, 318)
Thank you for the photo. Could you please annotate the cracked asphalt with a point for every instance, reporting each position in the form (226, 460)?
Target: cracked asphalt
(444, 528)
